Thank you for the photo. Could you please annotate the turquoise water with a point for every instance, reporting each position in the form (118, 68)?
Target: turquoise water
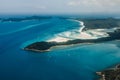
(79, 62)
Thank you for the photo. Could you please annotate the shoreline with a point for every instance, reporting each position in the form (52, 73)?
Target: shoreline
(64, 36)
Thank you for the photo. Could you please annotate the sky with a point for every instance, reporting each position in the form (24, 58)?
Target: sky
(59, 6)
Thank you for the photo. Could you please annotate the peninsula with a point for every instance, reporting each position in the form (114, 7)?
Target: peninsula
(91, 31)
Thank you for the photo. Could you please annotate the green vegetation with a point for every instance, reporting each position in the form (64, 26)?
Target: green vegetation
(100, 23)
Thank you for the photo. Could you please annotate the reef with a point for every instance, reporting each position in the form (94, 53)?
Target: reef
(110, 74)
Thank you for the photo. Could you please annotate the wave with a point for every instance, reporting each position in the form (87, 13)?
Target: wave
(24, 28)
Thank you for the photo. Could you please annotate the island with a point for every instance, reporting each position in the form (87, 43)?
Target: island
(91, 31)
(110, 74)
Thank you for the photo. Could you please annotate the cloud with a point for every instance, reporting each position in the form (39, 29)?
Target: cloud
(95, 5)
(59, 6)
(41, 7)
(73, 3)
(110, 3)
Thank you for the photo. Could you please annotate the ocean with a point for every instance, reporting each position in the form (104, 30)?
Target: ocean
(77, 62)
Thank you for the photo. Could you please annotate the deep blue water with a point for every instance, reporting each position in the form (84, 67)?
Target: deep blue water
(79, 62)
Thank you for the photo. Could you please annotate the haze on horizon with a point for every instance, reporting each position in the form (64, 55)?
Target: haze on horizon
(59, 6)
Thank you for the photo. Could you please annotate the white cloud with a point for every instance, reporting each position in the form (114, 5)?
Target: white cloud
(59, 6)
(73, 3)
(95, 5)
(40, 7)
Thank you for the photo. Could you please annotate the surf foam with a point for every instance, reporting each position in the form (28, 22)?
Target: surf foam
(79, 34)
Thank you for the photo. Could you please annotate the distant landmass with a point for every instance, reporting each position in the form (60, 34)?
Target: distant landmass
(24, 18)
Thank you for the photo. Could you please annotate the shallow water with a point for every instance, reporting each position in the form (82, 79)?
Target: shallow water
(79, 62)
